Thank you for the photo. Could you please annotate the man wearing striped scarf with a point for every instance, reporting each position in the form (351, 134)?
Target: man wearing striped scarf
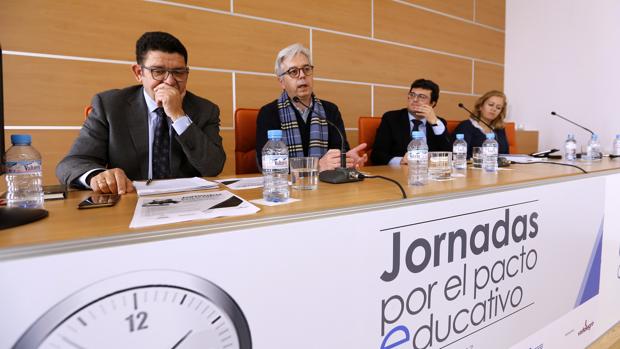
(305, 131)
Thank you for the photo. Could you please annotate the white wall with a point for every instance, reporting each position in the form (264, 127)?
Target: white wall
(564, 55)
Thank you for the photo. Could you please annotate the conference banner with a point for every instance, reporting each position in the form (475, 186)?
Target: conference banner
(517, 268)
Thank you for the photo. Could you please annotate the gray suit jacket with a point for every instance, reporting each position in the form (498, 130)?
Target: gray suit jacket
(115, 134)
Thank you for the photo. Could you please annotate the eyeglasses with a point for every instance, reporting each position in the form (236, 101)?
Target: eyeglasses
(294, 71)
(421, 97)
(161, 74)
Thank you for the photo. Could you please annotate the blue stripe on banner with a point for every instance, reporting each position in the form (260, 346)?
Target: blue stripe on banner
(592, 280)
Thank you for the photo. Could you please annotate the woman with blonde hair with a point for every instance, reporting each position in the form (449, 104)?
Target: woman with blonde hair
(491, 111)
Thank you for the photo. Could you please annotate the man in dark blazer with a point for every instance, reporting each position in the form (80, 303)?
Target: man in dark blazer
(149, 131)
(304, 120)
(394, 132)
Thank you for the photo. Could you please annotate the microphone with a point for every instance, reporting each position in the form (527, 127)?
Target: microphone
(501, 161)
(341, 174)
(475, 117)
(574, 123)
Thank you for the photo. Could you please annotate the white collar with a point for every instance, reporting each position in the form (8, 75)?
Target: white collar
(151, 105)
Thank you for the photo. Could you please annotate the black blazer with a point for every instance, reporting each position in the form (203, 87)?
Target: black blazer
(269, 119)
(394, 134)
(115, 134)
(475, 137)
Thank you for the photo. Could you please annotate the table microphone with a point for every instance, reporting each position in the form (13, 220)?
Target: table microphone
(341, 174)
(501, 161)
(574, 123)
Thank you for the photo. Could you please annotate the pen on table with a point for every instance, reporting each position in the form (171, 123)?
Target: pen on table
(148, 181)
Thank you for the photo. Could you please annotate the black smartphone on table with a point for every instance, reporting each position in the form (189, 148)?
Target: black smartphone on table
(99, 200)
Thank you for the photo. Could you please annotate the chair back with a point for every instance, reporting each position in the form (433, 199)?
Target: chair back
(245, 141)
(367, 130)
(87, 111)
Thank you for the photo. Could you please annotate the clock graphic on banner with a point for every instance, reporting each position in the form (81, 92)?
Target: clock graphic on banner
(143, 309)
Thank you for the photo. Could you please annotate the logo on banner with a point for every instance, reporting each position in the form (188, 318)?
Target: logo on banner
(478, 293)
(587, 326)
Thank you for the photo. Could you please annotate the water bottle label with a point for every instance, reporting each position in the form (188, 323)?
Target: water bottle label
(491, 151)
(417, 155)
(24, 167)
(275, 162)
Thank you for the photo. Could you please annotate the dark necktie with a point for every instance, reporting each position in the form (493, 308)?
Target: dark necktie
(416, 124)
(161, 146)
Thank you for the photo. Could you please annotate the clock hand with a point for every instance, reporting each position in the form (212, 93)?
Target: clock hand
(182, 339)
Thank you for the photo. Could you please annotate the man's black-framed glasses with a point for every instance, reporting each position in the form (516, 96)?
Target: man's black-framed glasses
(420, 96)
(294, 71)
(161, 74)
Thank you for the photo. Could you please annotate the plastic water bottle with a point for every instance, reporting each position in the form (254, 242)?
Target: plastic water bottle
(594, 149)
(459, 152)
(275, 168)
(570, 148)
(615, 149)
(417, 159)
(23, 174)
(490, 153)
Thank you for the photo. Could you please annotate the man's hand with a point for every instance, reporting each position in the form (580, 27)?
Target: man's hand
(112, 181)
(330, 160)
(353, 157)
(427, 112)
(170, 99)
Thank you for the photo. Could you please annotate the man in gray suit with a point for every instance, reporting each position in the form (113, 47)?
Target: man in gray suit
(149, 131)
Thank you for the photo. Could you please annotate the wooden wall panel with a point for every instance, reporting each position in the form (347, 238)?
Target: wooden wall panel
(222, 5)
(112, 33)
(53, 146)
(353, 59)
(352, 100)
(387, 99)
(61, 88)
(488, 77)
(448, 106)
(459, 8)
(393, 22)
(491, 12)
(254, 91)
(341, 15)
(65, 87)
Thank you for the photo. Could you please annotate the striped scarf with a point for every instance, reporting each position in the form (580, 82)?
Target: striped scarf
(318, 128)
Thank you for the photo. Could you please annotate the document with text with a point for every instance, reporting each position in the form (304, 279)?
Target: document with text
(188, 207)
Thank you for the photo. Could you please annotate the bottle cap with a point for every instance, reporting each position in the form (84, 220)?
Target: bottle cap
(570, 136)
(274, 134)
(490, 135)
(594, 137)
(618, 136)
(21, 139)
(460, 136)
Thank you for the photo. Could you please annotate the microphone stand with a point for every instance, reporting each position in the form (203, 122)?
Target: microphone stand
(341, 174)
(574, 123)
